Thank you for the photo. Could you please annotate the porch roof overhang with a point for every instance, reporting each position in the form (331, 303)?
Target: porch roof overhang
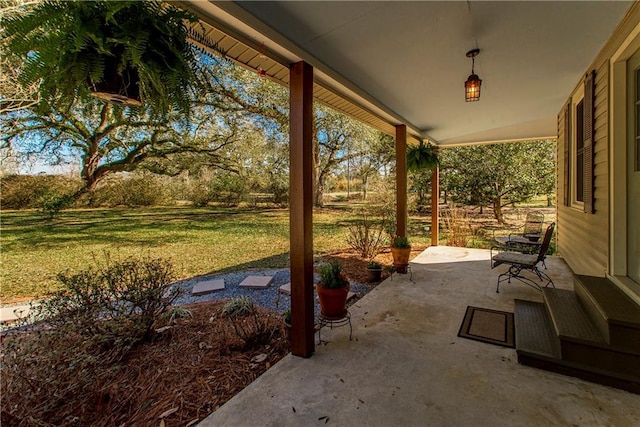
(391, 63)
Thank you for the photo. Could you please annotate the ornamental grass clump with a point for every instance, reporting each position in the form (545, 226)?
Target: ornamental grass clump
(250, 324)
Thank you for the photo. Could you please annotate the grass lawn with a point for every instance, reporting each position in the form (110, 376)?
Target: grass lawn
(197, 241)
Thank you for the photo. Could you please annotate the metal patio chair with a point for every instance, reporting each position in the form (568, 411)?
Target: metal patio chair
(519, 262)
(529, 240)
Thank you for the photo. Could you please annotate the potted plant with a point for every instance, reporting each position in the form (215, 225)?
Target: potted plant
(125, 52)
(422, 157)
(332, 290)
(287, 322)
(374, 272)
(401, 249)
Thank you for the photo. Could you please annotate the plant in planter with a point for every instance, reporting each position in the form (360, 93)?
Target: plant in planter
(422, 157)
(125, 52)
(374, 272)
(332, 290)
(401, 249)
(286, 316)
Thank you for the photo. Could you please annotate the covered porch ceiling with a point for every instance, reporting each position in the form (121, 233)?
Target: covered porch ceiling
(390, 63)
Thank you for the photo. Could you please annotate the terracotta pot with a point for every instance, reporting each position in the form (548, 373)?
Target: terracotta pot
(401, 259)
(374, 274)
(333, 302)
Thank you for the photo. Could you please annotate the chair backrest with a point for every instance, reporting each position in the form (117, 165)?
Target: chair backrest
(533, 224)
(544, 247)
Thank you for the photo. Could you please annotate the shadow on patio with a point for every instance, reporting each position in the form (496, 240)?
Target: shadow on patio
(406, 365)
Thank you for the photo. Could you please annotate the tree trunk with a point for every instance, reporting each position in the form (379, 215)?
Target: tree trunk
(497, 210)
(549, 201)
(365, 182)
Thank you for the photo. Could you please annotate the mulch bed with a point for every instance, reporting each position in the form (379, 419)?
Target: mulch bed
(186, 373)
(191, 367)
(355, 267)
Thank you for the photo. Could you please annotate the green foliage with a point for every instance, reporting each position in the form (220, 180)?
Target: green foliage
(498, 174)
(331, 276)
(68, 46)
(240, 306)
(53, 203)
(278, 186)
(134, 190)
(401, 242)
(250, 324)
(29, 191)
(421, 157)
(372, 265)
(287, 316)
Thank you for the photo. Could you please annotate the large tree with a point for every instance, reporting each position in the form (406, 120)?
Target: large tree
(108, 138)
(499, 174)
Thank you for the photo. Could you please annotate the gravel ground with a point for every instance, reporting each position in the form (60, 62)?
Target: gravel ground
(267, 298)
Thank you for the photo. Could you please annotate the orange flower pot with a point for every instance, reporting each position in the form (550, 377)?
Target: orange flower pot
(401, 259)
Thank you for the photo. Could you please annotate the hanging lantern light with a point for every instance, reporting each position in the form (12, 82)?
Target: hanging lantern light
(473, 83)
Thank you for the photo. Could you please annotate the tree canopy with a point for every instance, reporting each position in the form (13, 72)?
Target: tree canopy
(497, 175)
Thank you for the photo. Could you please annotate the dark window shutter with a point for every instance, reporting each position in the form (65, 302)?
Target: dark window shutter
(589, 118)
(567, 154)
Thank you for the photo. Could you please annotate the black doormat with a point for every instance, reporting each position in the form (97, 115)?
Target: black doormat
(491, 326)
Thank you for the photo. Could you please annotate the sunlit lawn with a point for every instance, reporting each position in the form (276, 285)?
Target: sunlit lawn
(197, 240)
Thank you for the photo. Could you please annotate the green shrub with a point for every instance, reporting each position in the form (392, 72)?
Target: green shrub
(52, 203)
(278, 186)
(73, 340)
(28, 191)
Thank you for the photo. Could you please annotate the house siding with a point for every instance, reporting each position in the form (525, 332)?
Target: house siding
(583, 238)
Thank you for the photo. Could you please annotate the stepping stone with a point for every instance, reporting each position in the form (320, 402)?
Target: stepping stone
(256, 282)
(207, 287)
(11, 314)
(285, 289)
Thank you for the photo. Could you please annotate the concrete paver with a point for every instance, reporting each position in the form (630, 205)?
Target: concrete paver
(256, 282)
(13, 313)
(207, 287)
(407, 367)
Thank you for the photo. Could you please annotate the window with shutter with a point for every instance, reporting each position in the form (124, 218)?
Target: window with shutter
(579, 184)
(588, 143)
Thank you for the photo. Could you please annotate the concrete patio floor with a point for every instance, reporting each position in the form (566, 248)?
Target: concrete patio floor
(406, 366)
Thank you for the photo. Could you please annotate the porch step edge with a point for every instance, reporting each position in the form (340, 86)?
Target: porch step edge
(570, 320)
(534, 330)
(615, 306)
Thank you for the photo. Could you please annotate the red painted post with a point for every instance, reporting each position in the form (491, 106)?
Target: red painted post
(301, 208)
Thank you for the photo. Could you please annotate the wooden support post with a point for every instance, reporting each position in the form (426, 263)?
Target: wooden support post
(301, 208)
(435, 201)
(401, 180)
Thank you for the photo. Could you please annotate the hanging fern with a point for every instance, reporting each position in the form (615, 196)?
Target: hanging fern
(422, 157)
(67, 46)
